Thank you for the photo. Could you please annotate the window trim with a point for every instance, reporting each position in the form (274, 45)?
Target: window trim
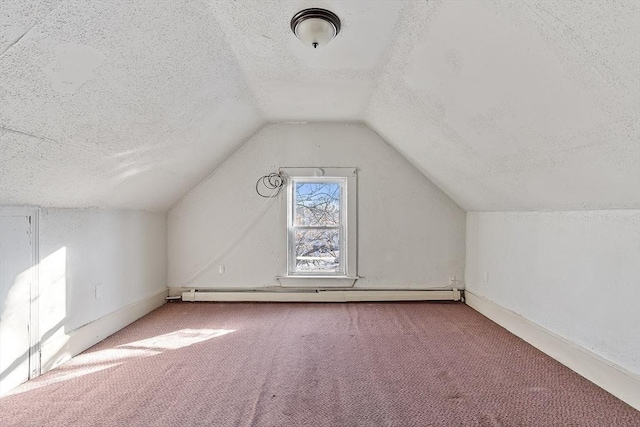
(348, 218)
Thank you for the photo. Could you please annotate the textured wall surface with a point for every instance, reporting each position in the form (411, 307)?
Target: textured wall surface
(410, 234)
(123, 252)
(576, 274)
(505, 105)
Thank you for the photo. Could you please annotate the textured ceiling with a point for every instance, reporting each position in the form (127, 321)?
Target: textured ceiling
(518, 105)
(503, 104)
(116, 103)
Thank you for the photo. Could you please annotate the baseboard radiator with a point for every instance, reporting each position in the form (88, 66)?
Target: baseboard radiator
(371, 295)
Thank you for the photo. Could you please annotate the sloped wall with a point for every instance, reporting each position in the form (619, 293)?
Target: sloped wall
(410, 234)
(576, 274)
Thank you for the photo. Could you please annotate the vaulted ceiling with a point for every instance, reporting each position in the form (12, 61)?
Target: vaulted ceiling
(503, 104)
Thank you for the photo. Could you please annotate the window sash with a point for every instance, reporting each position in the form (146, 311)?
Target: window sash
(293, 258)
(292, 228)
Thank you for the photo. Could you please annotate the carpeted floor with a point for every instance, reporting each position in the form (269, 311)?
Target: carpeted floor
(270, 364)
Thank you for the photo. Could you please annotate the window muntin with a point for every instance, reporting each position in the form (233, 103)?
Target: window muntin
(316, 226)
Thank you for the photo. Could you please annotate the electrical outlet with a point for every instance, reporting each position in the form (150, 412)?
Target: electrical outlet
(486, 276)
(452, 281)
(221, 269)
(99, 291)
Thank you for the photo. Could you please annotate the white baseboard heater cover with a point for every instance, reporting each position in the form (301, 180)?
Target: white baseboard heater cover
(323, 296)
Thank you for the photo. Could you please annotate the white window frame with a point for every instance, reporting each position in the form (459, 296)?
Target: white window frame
(347, 177)
(292, 228)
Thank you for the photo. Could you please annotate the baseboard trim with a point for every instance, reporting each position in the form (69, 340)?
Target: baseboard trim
(616, 380)
(323, 296)
(61, 348)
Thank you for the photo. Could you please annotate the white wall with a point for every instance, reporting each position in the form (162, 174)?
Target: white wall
(121, 251)
(576, 274)
(410, 234)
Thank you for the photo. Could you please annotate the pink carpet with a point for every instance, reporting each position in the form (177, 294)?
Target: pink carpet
(270, 364)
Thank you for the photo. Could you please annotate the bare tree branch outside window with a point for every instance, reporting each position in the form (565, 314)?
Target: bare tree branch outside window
(317, 213)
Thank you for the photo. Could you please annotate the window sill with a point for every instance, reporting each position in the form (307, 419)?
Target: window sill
(317, 281)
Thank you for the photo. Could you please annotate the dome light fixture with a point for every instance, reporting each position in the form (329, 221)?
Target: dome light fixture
(315, 27)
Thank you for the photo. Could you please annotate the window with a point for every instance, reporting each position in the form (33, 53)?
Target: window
(321, 222)
(316, 227)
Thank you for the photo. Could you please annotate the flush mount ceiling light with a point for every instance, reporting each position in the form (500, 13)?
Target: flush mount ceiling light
(315, 27)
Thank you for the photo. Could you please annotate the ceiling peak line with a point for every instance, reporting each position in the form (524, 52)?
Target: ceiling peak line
(399, 50)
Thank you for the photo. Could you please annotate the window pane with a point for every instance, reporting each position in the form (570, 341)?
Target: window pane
(317, 203)
(317, 250)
